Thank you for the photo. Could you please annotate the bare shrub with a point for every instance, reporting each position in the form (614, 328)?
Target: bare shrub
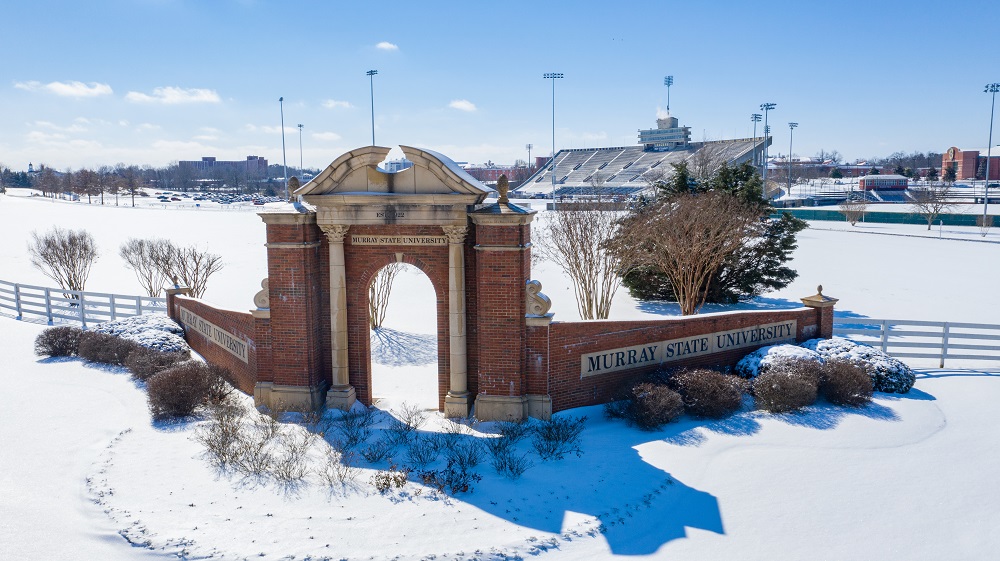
(338, 468)
(378, 293)
(420, 452)
(515, 431)
(465, 455)
(391, 478)
(853, 209)
(412, 416)
(653, 405)
(355, 426)
(377, 451)
(178, 391)
(64, 256)
(453, 479)
(100, 347)
(845, 383)
(58, 341)
(556, 438)
(708, 393)
(221, 383)
(506, 463)
(254, 454)
(787, 385)
(291, 461)
(985, 223)
(145, 363)
(143, 257)
(221, 435)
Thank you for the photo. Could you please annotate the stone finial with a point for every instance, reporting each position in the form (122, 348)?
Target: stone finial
(819, 300)
(293, 186)
(263, 298)
(502, 189)
(538, 304)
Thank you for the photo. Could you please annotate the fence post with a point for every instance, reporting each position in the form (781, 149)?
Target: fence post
(83, 312)
(48, 305)
(112, 300)
(885, 334)
(138, 305)
(944, 344)
(17, 299)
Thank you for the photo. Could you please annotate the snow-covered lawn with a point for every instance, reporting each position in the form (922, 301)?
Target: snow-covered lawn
(905, 478)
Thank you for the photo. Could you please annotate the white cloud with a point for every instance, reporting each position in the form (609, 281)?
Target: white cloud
(171, 95)
(123, 123)
(143, 127)
(206, 137)
(276, 130)
(387, 46)
(249, 127)
(326, 136)
(67, 89)
(209, 130)
(463, 105)
(55, 127)
(334, 104)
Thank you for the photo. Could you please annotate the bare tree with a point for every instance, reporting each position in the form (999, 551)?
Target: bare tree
(985, 223)
(187, 265)
(144, 258)
(930, 202)
(706, 160)
(64, 256)
(378, 293)
(853, 209)
(688, 237)
(576, 240)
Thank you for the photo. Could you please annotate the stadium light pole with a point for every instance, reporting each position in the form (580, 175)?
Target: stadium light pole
(765, 107)
(529, 147)
(791, 134)
(668, 81)
(371, 89)
(300, 149)
(284, 158)
(755, 117)
(552, 76)
(990, 89)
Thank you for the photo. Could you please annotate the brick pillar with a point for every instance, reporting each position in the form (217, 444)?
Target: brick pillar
(341, 394)
(456, 402)
(824, 311)
(172, 292)
(503, 265)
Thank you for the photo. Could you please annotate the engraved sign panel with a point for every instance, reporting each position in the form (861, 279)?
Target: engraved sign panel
(228, 341)
(358, 239)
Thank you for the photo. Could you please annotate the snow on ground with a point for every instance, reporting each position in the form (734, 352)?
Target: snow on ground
(905, 478)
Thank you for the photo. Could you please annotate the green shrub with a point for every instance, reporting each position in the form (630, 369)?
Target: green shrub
(708, 393)
(845, 383)
(787, 386)
(58, 341)
(144, 363)
(178, 391)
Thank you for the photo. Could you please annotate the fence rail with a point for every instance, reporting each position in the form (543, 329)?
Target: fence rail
(57, 304)
(942, 340)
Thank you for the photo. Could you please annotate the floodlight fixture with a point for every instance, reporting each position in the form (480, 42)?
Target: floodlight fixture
(668, 81)
(755, 117)
(791, 132)
(371, 89)
(765, 107)
(990, 89)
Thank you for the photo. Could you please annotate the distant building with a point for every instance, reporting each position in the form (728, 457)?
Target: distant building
(253, 166)
(666, 136)
(393, 166)
(969, 164)
(870, 182)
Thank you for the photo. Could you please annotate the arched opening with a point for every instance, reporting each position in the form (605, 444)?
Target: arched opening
(404, 349)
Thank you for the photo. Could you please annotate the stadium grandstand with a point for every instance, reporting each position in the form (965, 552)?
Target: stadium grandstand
(629, 170)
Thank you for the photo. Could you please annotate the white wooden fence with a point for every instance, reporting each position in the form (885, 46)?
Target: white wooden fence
(941, 340)
(73, 305)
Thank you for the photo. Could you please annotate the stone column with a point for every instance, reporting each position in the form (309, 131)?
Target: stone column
(456, 402)
(341, 394)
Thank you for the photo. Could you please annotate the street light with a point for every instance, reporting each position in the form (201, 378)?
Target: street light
(668, 81)
(755, 117)
(300, 150)
(765, 107)
(284, 159)
(791, 132)
(991, 89)
(552, 76)
(371, 88)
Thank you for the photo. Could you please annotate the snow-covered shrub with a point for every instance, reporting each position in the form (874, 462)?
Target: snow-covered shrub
(154, 331)
(845, 383)
(556, 438)
(58, 341)
(757, 362)
(178, 391)
(99, 347)
(786, 385)
(888, 374)
(708, 393)
(388, 479)
(144, 363)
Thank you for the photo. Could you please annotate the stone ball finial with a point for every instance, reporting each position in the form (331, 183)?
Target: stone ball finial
(502, 188)
(819, 290)
(293, 186)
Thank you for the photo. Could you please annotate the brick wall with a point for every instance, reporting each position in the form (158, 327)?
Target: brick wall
(554, 352)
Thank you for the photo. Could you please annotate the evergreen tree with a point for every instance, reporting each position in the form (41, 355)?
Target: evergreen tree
(835, 173)
(950, 174)
(932, 174)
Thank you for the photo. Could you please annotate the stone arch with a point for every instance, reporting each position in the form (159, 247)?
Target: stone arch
(358, 327)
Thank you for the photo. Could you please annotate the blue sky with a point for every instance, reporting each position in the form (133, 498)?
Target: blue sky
(154, 81)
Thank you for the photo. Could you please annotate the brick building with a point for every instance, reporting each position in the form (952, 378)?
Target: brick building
(971, 164)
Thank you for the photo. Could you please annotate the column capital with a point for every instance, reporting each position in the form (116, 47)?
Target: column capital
(456, 233)
(335, 232)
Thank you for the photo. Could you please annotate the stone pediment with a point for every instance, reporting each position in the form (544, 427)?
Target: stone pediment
(357, 173)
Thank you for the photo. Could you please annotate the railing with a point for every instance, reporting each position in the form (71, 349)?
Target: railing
(928, 339)
(73, 305)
